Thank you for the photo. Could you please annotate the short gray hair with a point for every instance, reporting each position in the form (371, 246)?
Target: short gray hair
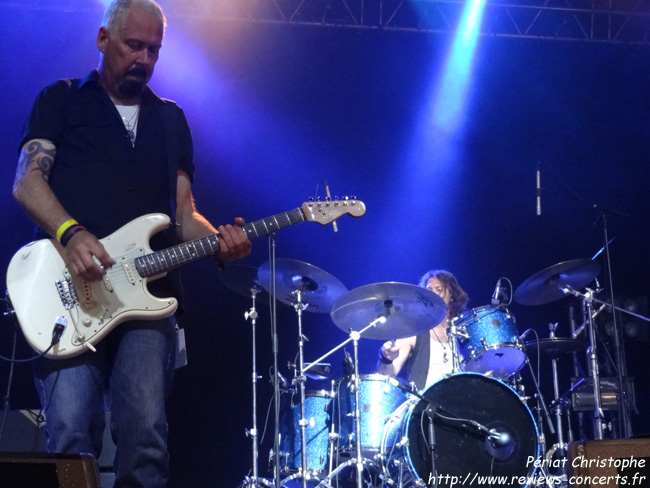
(118, 8)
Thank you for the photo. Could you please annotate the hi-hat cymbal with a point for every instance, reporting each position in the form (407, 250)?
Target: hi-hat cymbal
(408, 309)
(545, 286)
(319, 289)
(243, 280)
(555, 346)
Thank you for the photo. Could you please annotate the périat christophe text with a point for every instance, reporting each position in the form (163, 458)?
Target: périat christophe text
(630, 478)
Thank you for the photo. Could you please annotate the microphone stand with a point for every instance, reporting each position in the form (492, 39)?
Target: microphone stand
(545, 411)
(621, 365)
(431, 413)
(276, 380)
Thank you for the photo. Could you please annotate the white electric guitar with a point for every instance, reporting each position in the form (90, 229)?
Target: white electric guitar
(44, 293)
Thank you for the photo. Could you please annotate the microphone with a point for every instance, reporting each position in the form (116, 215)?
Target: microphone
(348, 364)
(399, 385)
(538, 188)
(497, 293)
(499, 439)
(526, 332)
(284, 383)
(329, 199)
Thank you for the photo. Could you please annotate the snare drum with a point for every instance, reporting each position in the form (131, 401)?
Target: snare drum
(317, 414)
(492, 346)
(460, 449)
(378, 399)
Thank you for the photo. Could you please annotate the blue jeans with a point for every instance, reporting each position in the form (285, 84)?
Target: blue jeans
(134, 364)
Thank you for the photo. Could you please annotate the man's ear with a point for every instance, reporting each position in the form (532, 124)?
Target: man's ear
(103, 37)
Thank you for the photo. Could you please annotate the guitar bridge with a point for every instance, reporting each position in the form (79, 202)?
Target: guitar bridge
(67, 293)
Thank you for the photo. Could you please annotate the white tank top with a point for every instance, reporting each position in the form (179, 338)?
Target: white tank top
(440, 361)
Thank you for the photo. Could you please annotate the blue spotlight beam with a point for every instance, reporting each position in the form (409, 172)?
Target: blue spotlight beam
(450, 100)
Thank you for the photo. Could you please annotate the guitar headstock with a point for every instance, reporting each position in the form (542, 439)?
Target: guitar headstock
(328, 211)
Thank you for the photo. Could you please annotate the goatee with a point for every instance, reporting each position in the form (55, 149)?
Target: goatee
(131, 88)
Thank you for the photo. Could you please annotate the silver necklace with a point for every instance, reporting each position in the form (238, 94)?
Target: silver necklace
(445, 358)
(131, 124)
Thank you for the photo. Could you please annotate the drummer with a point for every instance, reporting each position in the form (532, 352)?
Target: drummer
(427, 357)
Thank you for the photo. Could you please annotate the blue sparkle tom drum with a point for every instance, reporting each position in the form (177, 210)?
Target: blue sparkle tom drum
(492, 345)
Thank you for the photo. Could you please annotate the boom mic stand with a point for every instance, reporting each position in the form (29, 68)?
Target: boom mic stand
(619, 348)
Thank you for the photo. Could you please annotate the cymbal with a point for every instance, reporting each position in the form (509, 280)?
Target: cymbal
(555, 346)
(319, 289)
(408, 309)
(242, 279)
(544, 287)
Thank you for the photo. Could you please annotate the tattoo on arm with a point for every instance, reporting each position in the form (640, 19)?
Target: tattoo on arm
(37, 155)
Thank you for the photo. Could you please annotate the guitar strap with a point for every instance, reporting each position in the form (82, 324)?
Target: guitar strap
(173, 155)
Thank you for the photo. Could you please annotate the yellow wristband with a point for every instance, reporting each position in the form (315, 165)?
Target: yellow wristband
(65, 226)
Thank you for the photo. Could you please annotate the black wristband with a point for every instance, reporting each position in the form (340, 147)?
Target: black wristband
(383, 359)
(71, 231)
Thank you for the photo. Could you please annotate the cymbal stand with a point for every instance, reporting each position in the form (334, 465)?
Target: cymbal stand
(558, 407)
(592, 356)
(299, 306)
(358, 461)
(589, 299)
(252, 433)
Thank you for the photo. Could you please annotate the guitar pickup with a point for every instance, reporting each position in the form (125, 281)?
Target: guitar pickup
(129, 271)
(107, 282)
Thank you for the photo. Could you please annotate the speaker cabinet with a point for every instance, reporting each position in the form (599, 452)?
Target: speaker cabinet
(27, 470)
(610, 463)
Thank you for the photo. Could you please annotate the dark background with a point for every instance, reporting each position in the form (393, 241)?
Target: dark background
(276, 110)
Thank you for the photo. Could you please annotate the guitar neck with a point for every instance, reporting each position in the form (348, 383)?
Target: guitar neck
(165, 260)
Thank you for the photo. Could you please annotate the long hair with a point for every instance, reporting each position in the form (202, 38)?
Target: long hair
(458, 298)
(118, 8)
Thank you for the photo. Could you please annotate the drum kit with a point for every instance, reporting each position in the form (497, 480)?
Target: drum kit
(376, 431)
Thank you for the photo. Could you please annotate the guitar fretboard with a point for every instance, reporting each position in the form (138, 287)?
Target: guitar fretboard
(167, 259)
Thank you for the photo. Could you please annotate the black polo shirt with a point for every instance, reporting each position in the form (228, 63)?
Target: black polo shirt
(99, 177)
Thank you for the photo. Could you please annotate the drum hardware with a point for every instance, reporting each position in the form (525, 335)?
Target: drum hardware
(554, 283)
(305, 287)
(318, 371)
(624, 392)
(558, 404)
(592, 355)
(455, 334)
(303, 369)
(383, 311)
(243, 280)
